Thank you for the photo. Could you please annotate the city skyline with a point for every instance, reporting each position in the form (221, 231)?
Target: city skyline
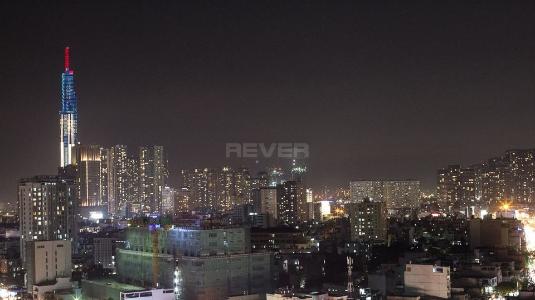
(267, 150)
(177, 92)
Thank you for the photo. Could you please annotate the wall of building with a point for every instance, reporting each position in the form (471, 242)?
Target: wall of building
(46, 261)
(427, 280)
(217, 277)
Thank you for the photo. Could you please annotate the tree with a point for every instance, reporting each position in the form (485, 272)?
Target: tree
(507, 287)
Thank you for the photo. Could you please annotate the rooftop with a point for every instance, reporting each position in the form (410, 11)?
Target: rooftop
(123, 287)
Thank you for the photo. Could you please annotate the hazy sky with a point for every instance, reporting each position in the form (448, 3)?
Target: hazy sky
(378, 89)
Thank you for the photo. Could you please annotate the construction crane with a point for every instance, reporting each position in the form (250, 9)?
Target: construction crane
(155, 255)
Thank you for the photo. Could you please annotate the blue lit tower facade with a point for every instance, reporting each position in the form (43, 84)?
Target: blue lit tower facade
(68, 114)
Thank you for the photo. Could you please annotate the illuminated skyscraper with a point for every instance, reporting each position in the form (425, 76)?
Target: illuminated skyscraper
(195, 188)
(68, 114)
(520, 175)
(152, 177)
(133, 202)
(117, 179)
(120, 184)
(456, 189)
(242, 187)
(287, 202)
(88, 162)
(105, 169)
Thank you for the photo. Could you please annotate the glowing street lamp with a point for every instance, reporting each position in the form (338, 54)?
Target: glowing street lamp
(505, 205)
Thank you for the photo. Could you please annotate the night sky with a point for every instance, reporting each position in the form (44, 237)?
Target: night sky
(378, 90)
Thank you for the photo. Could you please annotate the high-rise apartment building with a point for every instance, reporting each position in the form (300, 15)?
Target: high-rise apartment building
(104, 176)
(216, 190)
(242, 187)
(182, 200)
(510, 177)
(225, 189)
(287, 202)
(123, 182)
(265, 203)
(47, 209)
(456, 189)
(490, 181)
(368, 220)
(520, 176)
(304, 208)
(200, 187)
(133, 188)
(117, 179)
(68, 115)
(397, 194)
(169, 196)
(362, 189)
(152, 177)
(402, 194)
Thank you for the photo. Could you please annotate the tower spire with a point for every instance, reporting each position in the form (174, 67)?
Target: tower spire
(67, 58)
(68, 114)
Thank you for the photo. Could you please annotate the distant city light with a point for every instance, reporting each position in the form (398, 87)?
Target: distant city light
(325, 208)
(96, 215)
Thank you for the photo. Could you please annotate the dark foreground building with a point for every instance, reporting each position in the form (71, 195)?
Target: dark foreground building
(198, 263)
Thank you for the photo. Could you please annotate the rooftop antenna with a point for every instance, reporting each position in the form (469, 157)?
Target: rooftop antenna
(67, 59)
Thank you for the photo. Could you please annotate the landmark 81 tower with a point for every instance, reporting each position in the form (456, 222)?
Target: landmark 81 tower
(68, 114)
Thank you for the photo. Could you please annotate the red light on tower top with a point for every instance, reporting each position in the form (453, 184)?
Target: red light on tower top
(67, 59)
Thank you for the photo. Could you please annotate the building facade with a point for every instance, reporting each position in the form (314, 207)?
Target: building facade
(217, 190)
(87, 160)
(152, 177)
(427, 280)
(198, 263)
(490, 182)
(368, 220)
(265, 203)
(509, 177)
(456, 189)
(123, 182)
(47, 209)
(46, 262)
(169, 198)
(287, 202)
(519, 177)
(104, 251)
(497, 233)
(397, 194)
